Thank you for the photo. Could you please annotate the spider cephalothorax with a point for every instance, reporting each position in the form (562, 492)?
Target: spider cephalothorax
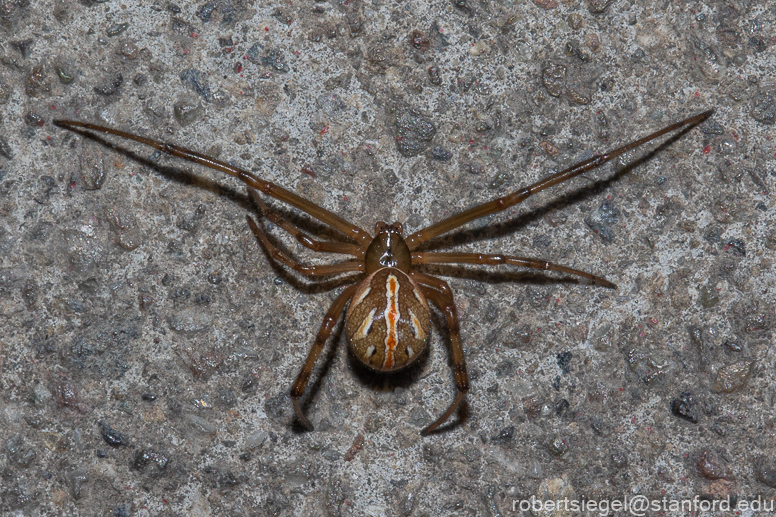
(388, 320)
(388, 249)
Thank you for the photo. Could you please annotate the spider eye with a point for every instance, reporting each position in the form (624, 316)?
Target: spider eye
(388, 260)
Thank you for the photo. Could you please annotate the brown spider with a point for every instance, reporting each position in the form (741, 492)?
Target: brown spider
(388, 320)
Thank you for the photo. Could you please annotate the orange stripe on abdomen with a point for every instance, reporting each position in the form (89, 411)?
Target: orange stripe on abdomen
(392, 316)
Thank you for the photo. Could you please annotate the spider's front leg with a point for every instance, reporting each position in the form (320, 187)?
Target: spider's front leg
(332, 315)
(440, 294)
(502, 203)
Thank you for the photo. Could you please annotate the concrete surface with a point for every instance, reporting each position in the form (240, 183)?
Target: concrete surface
(148, 343)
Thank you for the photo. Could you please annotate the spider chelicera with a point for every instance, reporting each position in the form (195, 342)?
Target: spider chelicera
(388, 320)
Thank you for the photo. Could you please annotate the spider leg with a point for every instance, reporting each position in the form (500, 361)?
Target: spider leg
(443, 298)
(502, 203)
(492, 260)
(283, 258)
(332, 315)
(315, 245)
(267, 187)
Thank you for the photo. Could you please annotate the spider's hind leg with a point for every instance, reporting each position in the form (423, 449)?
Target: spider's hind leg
(332, 315)
(440, 294)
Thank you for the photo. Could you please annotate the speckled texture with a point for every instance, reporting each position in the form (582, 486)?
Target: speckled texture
(148, 344)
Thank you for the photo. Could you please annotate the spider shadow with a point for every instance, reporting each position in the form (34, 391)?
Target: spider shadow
(294, 279)
(510, 226)
(501, 277)
(189, 178)
(314, 387)
(176, 174)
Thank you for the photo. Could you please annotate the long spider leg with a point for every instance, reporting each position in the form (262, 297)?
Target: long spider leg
(332, 315)
(502, 203)
(492, 260)
(315, 245)
(444, 300)
(282, 257)
(267, 187)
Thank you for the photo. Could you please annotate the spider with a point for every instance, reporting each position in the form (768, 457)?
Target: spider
(388, 320)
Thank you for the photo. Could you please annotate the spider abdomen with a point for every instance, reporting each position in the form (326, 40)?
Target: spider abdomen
(388, 321)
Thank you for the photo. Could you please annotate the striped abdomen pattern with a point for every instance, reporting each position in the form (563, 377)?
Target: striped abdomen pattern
(388, 321)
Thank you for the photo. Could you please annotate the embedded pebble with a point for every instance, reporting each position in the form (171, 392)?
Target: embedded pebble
(598, 6)
(111, 86)
(23, 47)
(413, 130)
(557, 447)
(205, 13)
(504, 436)
(5, 149)
(83, 249)
(38, 83)
(764, 108)
(125, 227)
(127, 49)
(546, 4)
(602, 220)
(19, 453)
(116, 29)
(47, 184)
(554, 79)
(187, 111)
(707, 59)
(255, 440)
(274, 58)
(111, 436)
(198, 82)
(576, 21)
(709, 297)
(711, 466)
(765, 471)
(144, 457)
(578, 97)
(76, 481)
(94, 166)
(732, 377)
(534, 470)
(201, 425)
(56, 442)
(419, 40)
(434, 75)
(191, 321)
(684, 407)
